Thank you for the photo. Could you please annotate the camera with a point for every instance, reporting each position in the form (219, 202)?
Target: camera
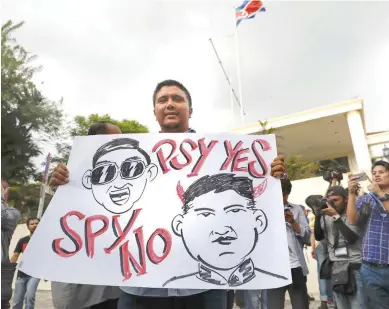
(318, 202)
(331, 169)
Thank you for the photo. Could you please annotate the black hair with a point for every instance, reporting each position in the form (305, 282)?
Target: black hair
(170, 83)
(219, 183)
(381, 163)
(118, 144)
(98, 128)
(31, 219)
(286, 186)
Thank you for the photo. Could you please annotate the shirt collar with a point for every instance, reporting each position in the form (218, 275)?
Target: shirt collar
(190, 130)
(242, 274)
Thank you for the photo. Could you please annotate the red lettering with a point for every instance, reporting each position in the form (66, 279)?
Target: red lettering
(118, 230)
(166, 238)
(231, 153)
(174, 162)
(126, 257)
(161, 157)
(237, 160)
(72, 234)
(90, 235)
(265, 146)
(204, 153)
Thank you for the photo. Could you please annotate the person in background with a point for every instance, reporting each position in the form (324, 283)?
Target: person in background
(82, 296)
(172, 108)
(319, 253)
(298, 235)
(9, 220)
(372, 212)
(25, 286)
(344, 249)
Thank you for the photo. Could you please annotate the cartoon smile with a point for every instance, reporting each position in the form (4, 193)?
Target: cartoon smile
(120, 197)
(224, 240)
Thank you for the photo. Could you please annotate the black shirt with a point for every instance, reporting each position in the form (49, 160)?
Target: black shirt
(20, 247)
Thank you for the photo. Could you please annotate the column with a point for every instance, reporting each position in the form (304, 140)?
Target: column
(358, 138)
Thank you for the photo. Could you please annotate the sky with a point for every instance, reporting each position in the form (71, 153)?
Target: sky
(107, 56)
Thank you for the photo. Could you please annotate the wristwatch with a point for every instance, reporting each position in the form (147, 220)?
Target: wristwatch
(384, 198)
(336, 217)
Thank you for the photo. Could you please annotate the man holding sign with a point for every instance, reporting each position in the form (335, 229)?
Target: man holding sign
(173, 108)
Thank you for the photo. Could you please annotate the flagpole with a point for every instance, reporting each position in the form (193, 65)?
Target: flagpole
(238, 68)
(232, 105)
(43, 187)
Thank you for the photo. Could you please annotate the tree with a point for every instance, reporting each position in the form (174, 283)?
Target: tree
(81, 126)
(296, 167)
(27, 117)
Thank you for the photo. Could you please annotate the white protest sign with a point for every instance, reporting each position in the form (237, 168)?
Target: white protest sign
(165, 210)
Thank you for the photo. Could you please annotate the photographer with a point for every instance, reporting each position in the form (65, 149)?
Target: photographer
(344, 249)
(298, 234)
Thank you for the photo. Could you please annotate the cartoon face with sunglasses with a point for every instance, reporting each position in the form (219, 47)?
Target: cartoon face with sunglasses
(120, 174)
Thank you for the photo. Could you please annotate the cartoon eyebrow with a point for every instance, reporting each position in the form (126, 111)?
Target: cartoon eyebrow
(204, 209)
(134, 158)
(235, 205)
(102, 162)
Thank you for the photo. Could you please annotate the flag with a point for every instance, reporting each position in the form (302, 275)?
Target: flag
(248, 10)
(46, 172)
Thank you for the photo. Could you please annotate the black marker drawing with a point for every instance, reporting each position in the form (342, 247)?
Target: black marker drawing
(120, 173)
(211, 228)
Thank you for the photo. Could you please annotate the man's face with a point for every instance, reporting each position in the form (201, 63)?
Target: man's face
(32, 224)
(119, 179)
(381, 176)
(222, 242)
(339, 203)
(171, 108)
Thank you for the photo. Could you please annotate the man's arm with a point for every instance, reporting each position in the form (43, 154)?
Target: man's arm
(17, 251)
(301, 227)
(352, 211)
(9, 218)
(318, 231)
(347, 233)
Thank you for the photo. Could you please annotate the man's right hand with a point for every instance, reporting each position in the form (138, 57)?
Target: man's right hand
(353, 185)
(60, 175)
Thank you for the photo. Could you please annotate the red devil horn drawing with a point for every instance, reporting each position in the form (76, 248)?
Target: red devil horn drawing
(258, 190)
(180, 192)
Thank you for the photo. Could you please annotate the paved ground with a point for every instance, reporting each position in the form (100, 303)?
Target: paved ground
(43, 301)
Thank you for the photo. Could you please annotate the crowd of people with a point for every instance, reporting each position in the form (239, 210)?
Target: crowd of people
(348, 234)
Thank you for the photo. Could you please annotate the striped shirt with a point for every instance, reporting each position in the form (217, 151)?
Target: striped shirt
(375, 246)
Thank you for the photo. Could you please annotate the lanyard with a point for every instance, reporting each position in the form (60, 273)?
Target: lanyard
(380, 204)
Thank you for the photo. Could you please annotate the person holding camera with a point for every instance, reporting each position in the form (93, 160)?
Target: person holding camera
(371, 211)
(344, 249)
(298, 234)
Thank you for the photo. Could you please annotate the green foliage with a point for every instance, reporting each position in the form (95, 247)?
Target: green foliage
(300, 169)
(25, 113)
(26, 198)
(82, 124)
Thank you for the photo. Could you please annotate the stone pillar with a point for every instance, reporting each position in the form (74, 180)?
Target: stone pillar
(358, 138)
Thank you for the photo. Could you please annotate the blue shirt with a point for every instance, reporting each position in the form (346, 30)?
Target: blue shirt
(161, 292)
(375, 245)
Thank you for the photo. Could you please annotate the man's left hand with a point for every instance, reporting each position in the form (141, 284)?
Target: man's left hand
(329, 211)
(278, 168)
(373, 187)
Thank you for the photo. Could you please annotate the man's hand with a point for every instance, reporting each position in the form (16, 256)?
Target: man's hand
(289, 217)
(353, 185)
(313, 254)
(329, 211)
(60, 175)
(374, 188)
(278, 168)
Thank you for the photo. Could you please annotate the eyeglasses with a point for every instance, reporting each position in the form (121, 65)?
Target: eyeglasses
(108, 171)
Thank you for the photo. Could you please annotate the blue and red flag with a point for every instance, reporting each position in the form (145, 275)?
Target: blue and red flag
(248, 10)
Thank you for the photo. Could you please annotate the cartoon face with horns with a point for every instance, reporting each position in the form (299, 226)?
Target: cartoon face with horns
(211, 228)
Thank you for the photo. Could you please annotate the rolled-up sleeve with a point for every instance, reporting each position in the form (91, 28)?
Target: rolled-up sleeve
(305, 231)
